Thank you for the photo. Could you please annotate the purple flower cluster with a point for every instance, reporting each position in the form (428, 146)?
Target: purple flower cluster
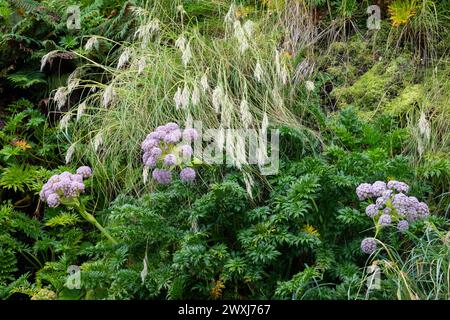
(392, 205)
(163, 153)
(64, 186)
(368, 245)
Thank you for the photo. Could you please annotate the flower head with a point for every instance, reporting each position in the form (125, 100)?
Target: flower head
(385, 220)
(402, 226)
(162, 176)
(364, 191)
(398, 186)
(170, 159)
(368, 245)
(187, 175)
(85, 171)
(190, 134)
(371, 210)
(378, 188)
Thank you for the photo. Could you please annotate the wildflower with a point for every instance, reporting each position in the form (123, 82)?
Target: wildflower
(402, 226)
(384, 220)
(22, 144)
(364, 191)
(398, 186)
(310, 229)
(85, 171)
(64, 185)
(162, 176)
(309, 86)
(186, 151)
(258, 73)
(371, 210)
(170, 159)
(190, 134)
(187, 175)
(368, 245)
(378, 188)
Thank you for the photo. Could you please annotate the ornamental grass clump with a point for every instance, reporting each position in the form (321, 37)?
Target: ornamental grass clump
(392, 207)
(168, 148)
(66, 189)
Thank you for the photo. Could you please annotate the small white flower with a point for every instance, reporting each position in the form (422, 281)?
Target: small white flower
(60, 97)
(310, 86)
(108, 96)
(195, 96)
(80, 110)
(70, 152)
(204, 83)
(258, 73)
(141, 65)
(92, 43)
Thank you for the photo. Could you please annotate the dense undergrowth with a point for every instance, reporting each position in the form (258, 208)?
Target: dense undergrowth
(352, 106)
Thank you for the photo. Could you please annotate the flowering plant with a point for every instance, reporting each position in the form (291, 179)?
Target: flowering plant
(168, 148)
(66, 188)
(392, 205)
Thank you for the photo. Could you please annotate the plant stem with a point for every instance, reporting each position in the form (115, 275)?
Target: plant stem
(90, 218)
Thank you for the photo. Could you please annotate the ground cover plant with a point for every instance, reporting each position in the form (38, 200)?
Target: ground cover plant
(248, 149)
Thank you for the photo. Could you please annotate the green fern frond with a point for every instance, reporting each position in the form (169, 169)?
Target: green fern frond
(17, 178)
(26, 79)
(64, 219)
